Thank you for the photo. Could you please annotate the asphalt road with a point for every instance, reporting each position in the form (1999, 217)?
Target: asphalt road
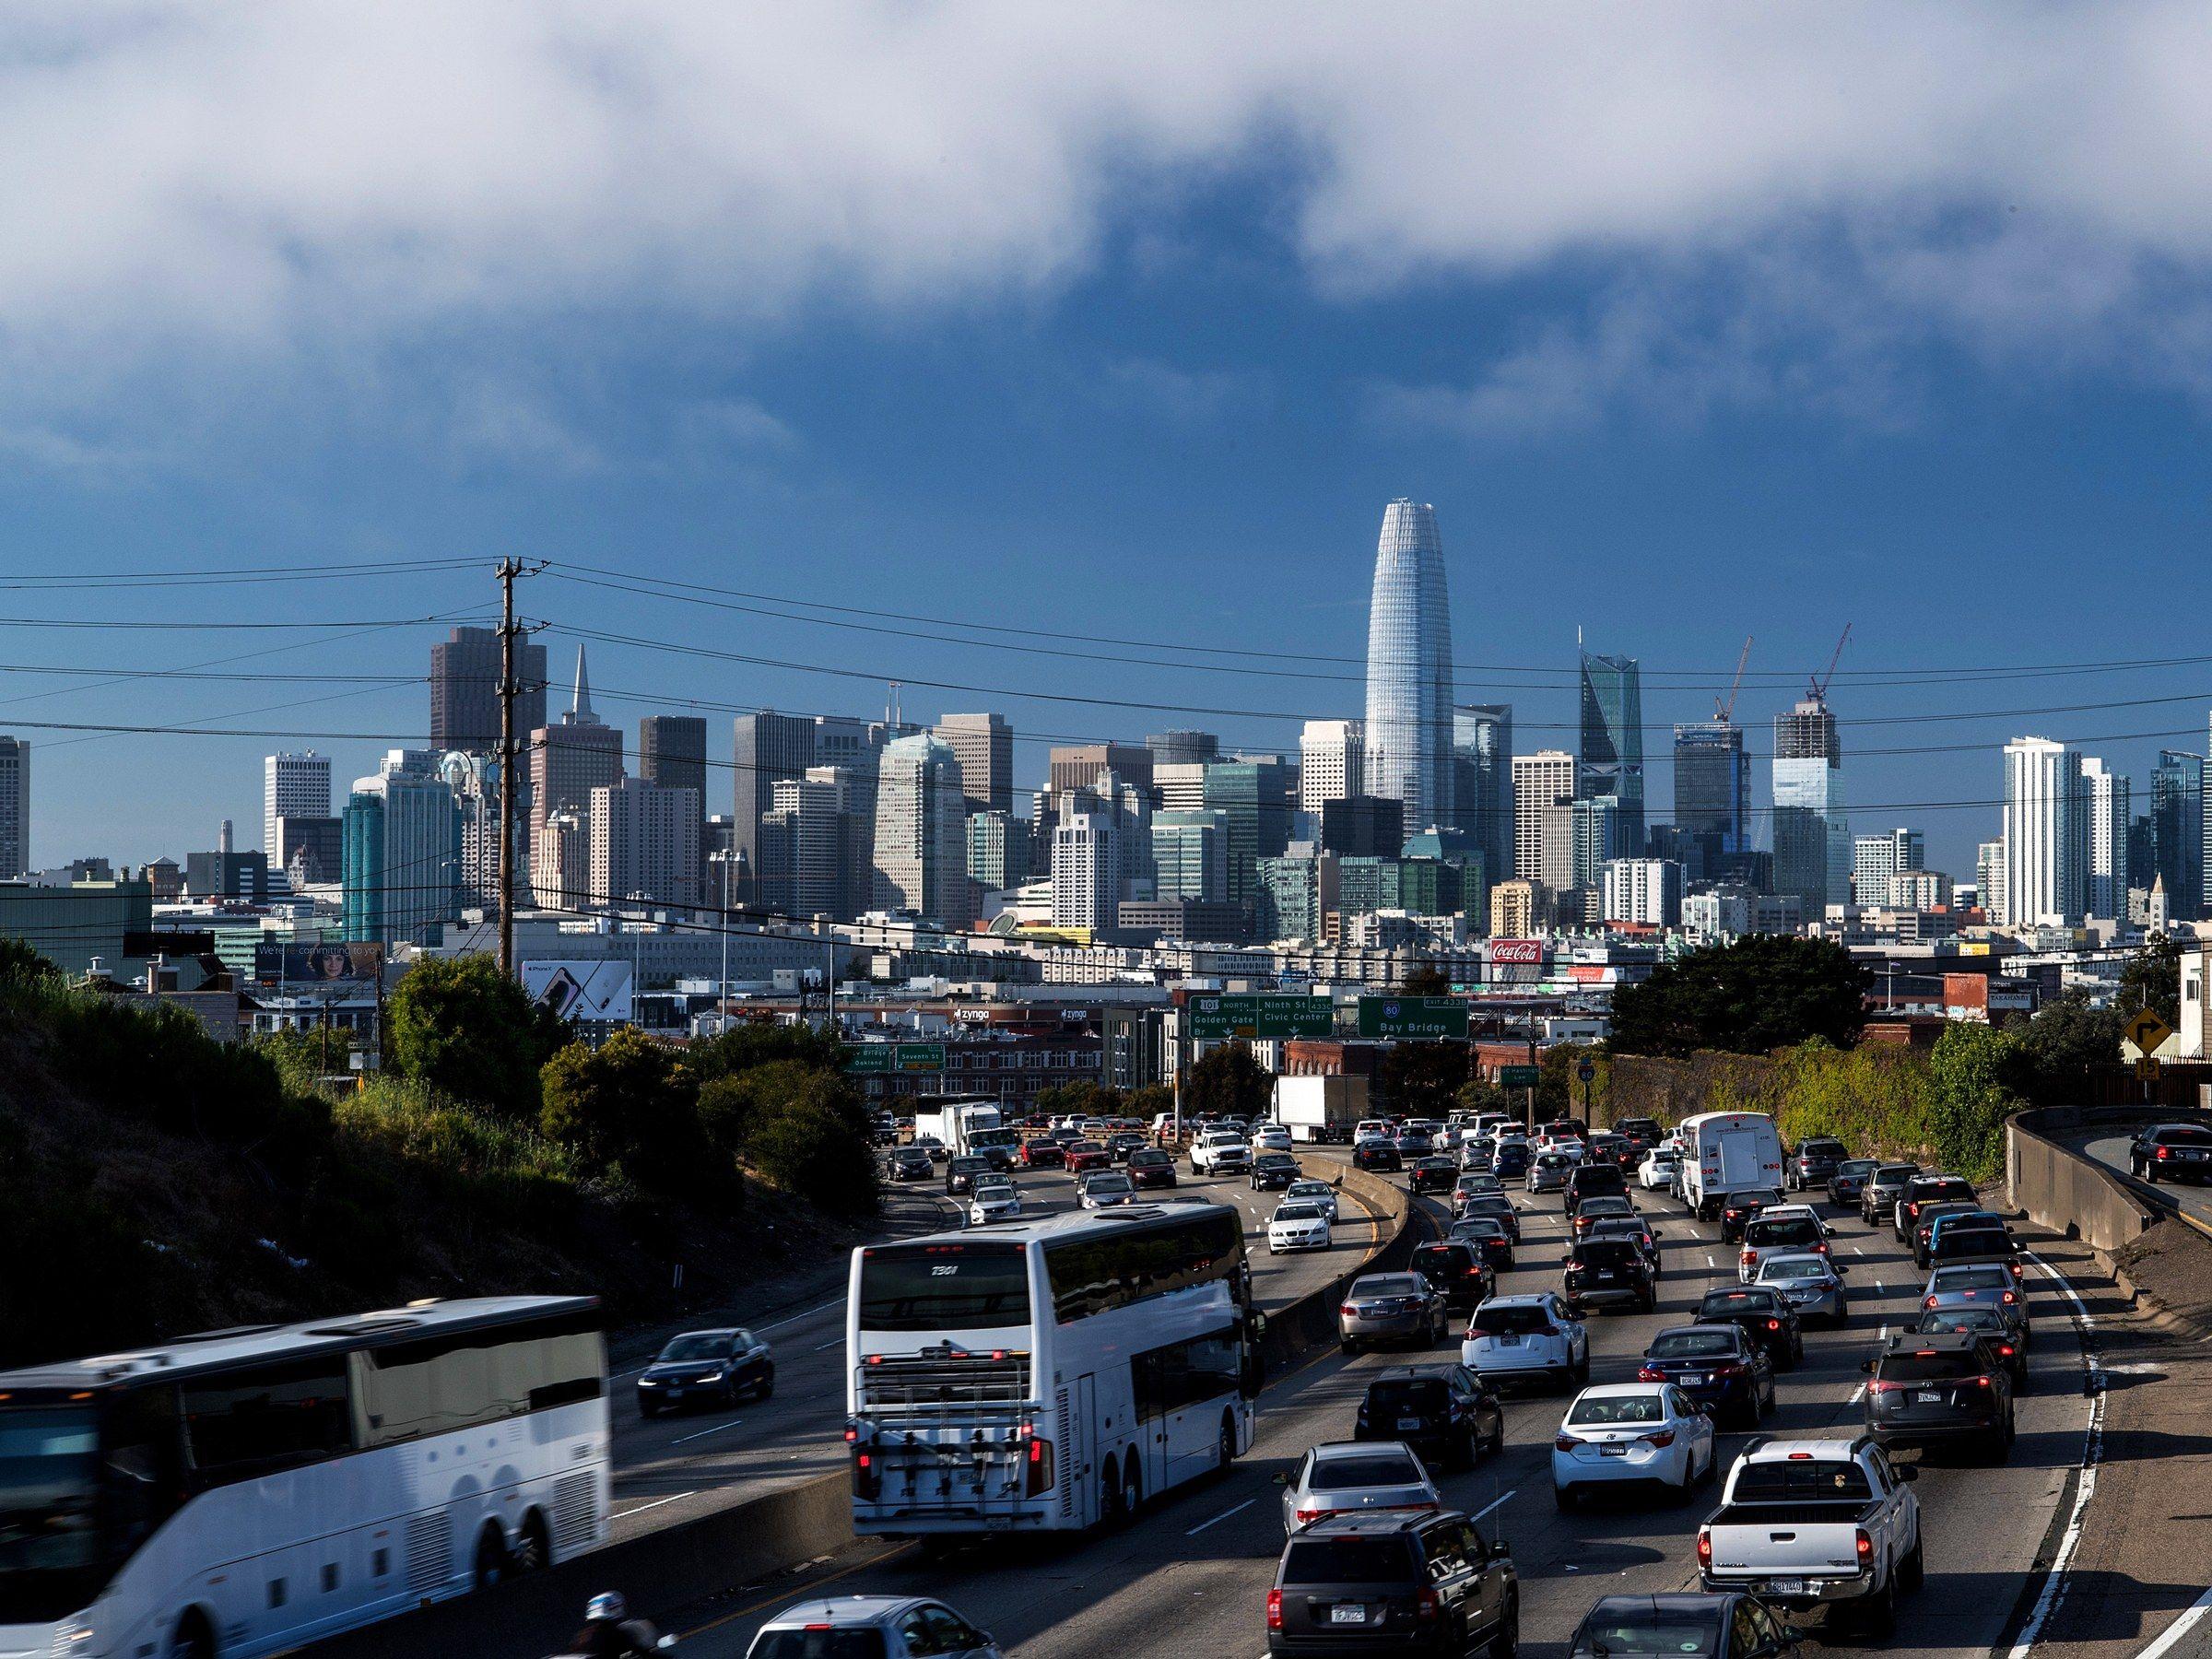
(2112, 1151)
(1191, 1574)
(683, 1464)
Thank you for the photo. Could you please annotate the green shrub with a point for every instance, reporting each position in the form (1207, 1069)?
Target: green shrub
(467, 1029)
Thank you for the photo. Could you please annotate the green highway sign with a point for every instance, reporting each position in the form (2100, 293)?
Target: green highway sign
(873, 1057)
(1263, 1016)
(1415, 1016)
(1517, 1076)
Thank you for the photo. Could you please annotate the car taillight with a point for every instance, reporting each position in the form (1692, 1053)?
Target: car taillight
(2161, 1151)
(1275, 1609)
(1565, 1442)
(1928, 1302)
(1348, 1310)
(2009, 1297)
(1704, 1547)
(1750, 1258)
(1306, 1517)
(1734, 1214)
(1644, 1373)
(1865, 1545)
(1733, 1369)
(1428, 1607)
(2005, 1350)
(1664, 1437)
(1773, 1324)
(1981, 1382)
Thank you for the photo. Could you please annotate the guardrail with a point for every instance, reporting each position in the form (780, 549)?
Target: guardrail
(2061, 1189)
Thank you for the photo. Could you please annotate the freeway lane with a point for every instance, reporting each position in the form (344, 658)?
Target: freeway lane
(2111, 1150)
(1192, 1576)
(683, 1464)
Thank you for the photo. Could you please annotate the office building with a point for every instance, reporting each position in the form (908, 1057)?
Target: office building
(310, 851)
(2177, 831)
(1255, 799)
(672, 753)
(1609, 762)
(2106, 825)
(15, 807)
(1712, 790)
(2046, 835)
(1149, 921)
(921, 832)
(1180, 786)
(1330, 767)
(1812, 836)
(998, 850)
(1643, 892)
(645, 844)
(1363, 826)
(1189, 855)
(1293, 893)
(1087, 862)
(1514, 909)
(1877, 860)
(570, 759)
(1408, 726)
(1182, 748)
(1542, 822)
(1482, 780)
(1598, 833)
(765, 746)
(1460, 850)
(464, 691)
(402, 854)
(292, 785)
(228, 874)
(1920, 890)
(1078, 765)
(1989, 879)
(560, 860)
(983, 744)
(1730, 910)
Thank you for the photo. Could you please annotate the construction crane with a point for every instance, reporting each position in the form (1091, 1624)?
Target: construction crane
(1820, 682)
(1724, 713)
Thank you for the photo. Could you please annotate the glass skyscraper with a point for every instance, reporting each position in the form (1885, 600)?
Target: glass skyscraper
(2177, 831)
(1712, 785)
(1812, 837)
(1610, 761)
(1410, 669)
(1482, 780)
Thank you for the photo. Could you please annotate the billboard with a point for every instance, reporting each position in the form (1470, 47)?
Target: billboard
(594, 990)
(1517, 953)
(1267, 1017)
(312, 964)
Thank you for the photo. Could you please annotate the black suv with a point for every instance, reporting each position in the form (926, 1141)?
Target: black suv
(1271, 1171)
(1460, 1273)
(1738, 1210)
(1609, 1273)
(1761, 1314)
(960, 1173)
(1431, 1175)
(1930, 1388)
(1375, 1153)
(1446, 1416)
(1592, 1181)
(1642, 1133)
(1923, 1190)
(2172, 1152)
(1393, 1584)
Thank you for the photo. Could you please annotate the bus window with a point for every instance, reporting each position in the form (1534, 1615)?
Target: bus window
(438, 1384)
(243, 1424)
(944, 1287)
(52, 1561)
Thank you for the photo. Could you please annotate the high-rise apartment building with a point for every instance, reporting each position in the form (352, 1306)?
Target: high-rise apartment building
(765, 746)
(1078, 765)
(561, 859)
(1408, 728)
(1712, 790)
(570, 760)
(1189, 855)
(1812, 835)
(1543, 784)
(1182, 748)
(672, 752)
(464, 691)
(1482, 780)
(292, 785)
(1599, 832)
(1610, 758)
(1514, 910)
(1989, 879)
(1329, 763)
(1877, 861)
(983, 744)
(1292, 894)
(922, 832)
(1086, 862)
(2046, 835)
(2177, 832)
(402, 853)
(15, 807)
(2107, 815)
(1643, 892)
(644, 844)
(998, 850)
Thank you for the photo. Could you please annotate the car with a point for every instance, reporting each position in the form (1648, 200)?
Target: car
(1738, 1210)
(1718, 1366)
(1042, 1152)
(1297, 1224)
(1084, 1156)
(1923, 1225)
(879, 1627)
(1609, 1273)
(1923, 1190)
(1273, 1171)
(1313, 1192)
(1390, 1307)
(1979, 1284)
(909, 1163)
(1413, 1143)
(1477, 1155)
(716, 1367)
(2172, 1152)
(1376, 1156)
(1511, 1161)
(1273, 1138)
(1635, 1230)
(1783, 1230)
(1809, 1282)
(1123, 1141)
(1498, 1206)
(1374, 1126)
(937, 1150)
(1825, 1524)
(1817, 1159)
(1477, 1182)
(1431, 1174)
(1636, 1433)
(1929, 1389)
(994, 1201)
(1848, 1184)
(960, 1173)
(1642, 1132)
(1614, 1150)
(1761, 1314)
(1657, 1171)
(1444, 1413)
(1727, 1625)
(1488, 1233)
(1150, 1166)
(1354, 1585)
(1878, 1199)
(1220, 1152)
(1344, 1477)
(1984, 1321)
(1965, 1235)
(1108, 1189)
(1460, 1273)
(1527, 1336)
(1548, 1173)
(1591, 1211)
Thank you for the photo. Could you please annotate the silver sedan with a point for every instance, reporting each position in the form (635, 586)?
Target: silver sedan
(1979, 1284)
(1809, 1283)
(1344, 1477)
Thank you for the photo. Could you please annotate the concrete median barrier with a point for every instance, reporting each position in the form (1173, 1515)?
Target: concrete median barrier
(2061, 1189)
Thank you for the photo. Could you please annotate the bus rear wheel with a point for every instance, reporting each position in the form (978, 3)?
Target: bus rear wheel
(534, 1552)
(1224, 1454)
(193, 1639)
(1132, 1490)
(491, 1556)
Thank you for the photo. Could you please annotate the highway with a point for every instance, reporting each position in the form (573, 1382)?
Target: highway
(1191, 1575)
(682, 1464)
(2111, 1150)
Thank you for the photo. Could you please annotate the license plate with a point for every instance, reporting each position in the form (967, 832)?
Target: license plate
(675, 1394)
(1928, 1397)
(1509, 1342)
(1785, 1586)
(1408, 1425)
(1698, 1381)
(1348, 1613)
(1612, 1450)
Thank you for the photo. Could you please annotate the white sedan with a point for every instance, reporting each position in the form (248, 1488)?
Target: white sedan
(1656, 1173)
(994, 1201)
(1298, 1225)
(1645, 1433)
(1270, 1139)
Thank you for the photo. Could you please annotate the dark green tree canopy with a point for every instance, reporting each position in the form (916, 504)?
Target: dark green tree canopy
(467, 1029)
(1423, 1079)
(2152, 980)
(1761, 992)
(1425, 979)
(1230, 1081)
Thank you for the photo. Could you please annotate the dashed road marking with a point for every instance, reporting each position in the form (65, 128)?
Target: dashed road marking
(656, 1503)
(1225, 1515)
(733, 1423)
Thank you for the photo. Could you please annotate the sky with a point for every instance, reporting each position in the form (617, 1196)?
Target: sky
(1105, 332)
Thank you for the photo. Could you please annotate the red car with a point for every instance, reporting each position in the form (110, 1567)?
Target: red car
(1087, 1155)
(1151, 1168)
(1043, 1154)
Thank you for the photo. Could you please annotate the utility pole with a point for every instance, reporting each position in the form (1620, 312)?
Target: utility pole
(509, 569)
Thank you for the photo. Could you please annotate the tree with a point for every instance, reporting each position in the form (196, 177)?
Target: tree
(1969, 1097)
(742, 1047)
(1149, 1102)
(807, 1133)
(1758, 993)
(2053, 1051)
(1423, 1079)
(1229, 1082)
(20, 960)
(2152, 980)
(629, 1107)
(1425, 979)
(467, 1029)
(1081, 1097)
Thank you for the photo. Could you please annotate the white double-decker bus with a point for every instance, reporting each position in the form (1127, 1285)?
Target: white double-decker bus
(245, 1491)
(1052, 1375)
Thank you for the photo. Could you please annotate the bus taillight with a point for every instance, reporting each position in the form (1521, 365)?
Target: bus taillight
(1037, 1476)
(867, 1479)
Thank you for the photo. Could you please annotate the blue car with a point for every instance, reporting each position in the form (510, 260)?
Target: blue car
(1719, 1367)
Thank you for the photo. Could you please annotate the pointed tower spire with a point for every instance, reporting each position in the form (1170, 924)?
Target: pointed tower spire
(580, 710)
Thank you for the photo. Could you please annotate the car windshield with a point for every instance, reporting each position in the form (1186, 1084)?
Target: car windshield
(1949, 1190)
(1277, 1160)
(1433, 1259)
(1720, 1304)
(1793, 1267)
(1896, 1174)
(1364, 1469)
(1651, 1629)
(1299, 1212)
(1085, 1146)
(1479, 1226)
(1691, 1344)
(1607, 1206)
(1743, 1201)
(818, 1642)
(1147, 1160)
(1512, 1319)
(1821, 1149)
(1389, 1284)
(1606, 1410)
(697, 1345)
(1929, 1365)
(1346, 1561)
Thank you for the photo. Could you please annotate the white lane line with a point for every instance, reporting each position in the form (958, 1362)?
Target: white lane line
(1856, 1251)
(1882, 1287)
(833, 1342)
(1885, 1332)
(1486, 1508)
(733, 1423)
(1857, 1394)
(625, 1514)
(1224, 1515)
(1709, 1261)
(2179, 1628)
(795, 1318)
(2092, 1450)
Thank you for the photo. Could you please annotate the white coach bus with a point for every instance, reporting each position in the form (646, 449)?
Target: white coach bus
(1050, 1375)
(244, 1491)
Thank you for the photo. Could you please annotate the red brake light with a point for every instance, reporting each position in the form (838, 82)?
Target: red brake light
(1275, 1609)
(1705, 1547)
(1865, 1546)
(852, 1435)
(2161, 1151)
(1750, 1258)
(2010, 1297)
(1348, 1310)
(1644, 1373)
(2005, 1349)
(1664, 1437)
(1565, 1442)
(1929, 1302)
(1773, 1324)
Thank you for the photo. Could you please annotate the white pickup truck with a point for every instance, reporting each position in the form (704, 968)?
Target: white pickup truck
(1817, 1524)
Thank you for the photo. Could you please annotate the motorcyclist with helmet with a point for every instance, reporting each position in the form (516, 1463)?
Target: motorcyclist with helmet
(610, 1633)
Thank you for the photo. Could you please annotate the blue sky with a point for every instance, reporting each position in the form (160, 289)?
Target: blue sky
(1014, 320)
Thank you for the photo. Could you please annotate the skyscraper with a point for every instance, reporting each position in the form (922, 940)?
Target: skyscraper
(644, 844)
(1077, 765)
(672, 752)
(292, 785)
(2046, 835)
(1183, 748)
(570, 760)
(922, 832)
(1812, 837)
(1189, 855)
(1713, 789)
(2106, 811)
(402, 853)
(1330, 765)
(765, 746)
(2177, 835)
(464, 690)
(1543, 782)
(1408, 726)
(1087, 861)
(1610, 761)
(983, 744)
(1482, 780)
(1254, 797)
(14, 807)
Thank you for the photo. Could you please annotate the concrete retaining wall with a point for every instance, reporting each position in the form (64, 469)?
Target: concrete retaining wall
(2061, 1189)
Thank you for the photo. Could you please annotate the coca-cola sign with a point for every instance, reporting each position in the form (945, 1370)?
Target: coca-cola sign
(1517, 953)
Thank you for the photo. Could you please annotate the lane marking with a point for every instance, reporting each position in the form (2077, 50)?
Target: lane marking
(625, 1514)
(1857, 1394)
(833, 1342)
(1856, 1251)
(733, 1423)
(2092, 1451)
(1709, 1261)
(1224, 1515)
(795, 1318)
(1486, 1508)
(2179, 1628)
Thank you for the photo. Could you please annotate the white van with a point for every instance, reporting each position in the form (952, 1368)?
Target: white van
(1725, 1152)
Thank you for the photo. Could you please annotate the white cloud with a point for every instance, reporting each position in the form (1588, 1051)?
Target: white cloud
(232, 179)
